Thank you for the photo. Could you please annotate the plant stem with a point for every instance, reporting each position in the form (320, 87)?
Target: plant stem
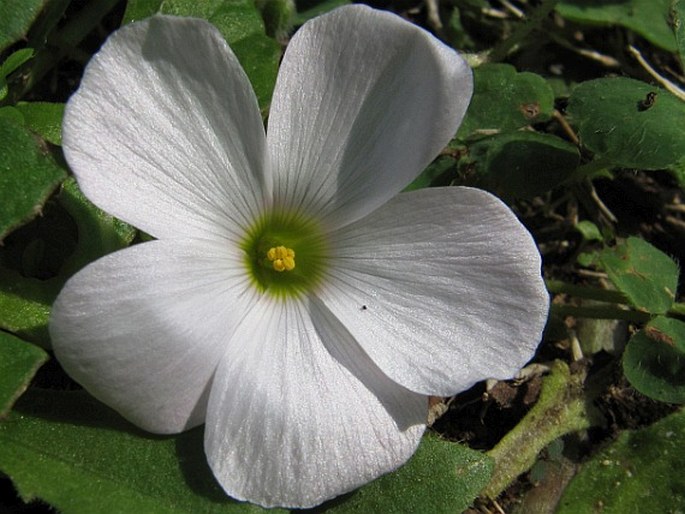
(522, 31)
(589, 170)
(61, 44)
(677, 309)
(601, 312)
(561, 409)
(587, 292)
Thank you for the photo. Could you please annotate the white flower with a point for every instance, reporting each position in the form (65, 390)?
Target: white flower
(310, 370)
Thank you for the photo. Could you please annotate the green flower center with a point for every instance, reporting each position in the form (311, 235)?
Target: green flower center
(285, 254)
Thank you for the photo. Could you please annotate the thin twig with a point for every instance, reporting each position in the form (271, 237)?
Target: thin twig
(602, 275)
(566, 127)
(497, 506)
(523, 30)
(600, 204)
(667, 84)
(433, 15)
(494, 13)
(513, 9)
(676, 222)
(576, 350)
(676, 207)
(605, 60)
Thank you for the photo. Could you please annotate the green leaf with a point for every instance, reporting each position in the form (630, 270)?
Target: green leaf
(98, 232)
(43, 118)
(640, 472)
(25, 302)
(12, 114)
(432, 173)
(27, 176)
(505, 100)
(318, 9)
(137, 10)
(457, 35)
(83, 458)
(16, 19)
(678, 172)
(25, 305)
(648, 18)
(523, 164)
(654, 360)
(587, 259)
(278, 16)
(589, 231)
(78, 455)
(239, 22)
(647, 276)
(678, 17)
(442, 477)
(15, 60)
(617, 121)
(595, 335)
(19, 361)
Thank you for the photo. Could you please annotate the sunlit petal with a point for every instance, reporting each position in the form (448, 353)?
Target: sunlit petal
(165, 132)
(441, 287)
(299, 414)
(144, 329)
(364, 101)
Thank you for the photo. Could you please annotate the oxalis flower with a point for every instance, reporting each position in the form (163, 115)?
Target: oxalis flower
(292, 301)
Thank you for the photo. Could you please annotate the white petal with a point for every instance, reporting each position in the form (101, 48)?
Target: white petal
(165, 132)
(144, 329)
(363, 102)
(299, 414)
(441, 287)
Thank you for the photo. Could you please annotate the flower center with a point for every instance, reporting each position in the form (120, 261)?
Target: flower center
(270, 247)
(281, 258)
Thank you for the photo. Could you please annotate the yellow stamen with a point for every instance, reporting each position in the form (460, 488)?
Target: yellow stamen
(281, 258)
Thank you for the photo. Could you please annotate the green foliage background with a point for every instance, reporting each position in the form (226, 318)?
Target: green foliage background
(575, 101)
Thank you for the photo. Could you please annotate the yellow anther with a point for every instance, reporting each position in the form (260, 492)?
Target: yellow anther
(281, 258)
(288, 263)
